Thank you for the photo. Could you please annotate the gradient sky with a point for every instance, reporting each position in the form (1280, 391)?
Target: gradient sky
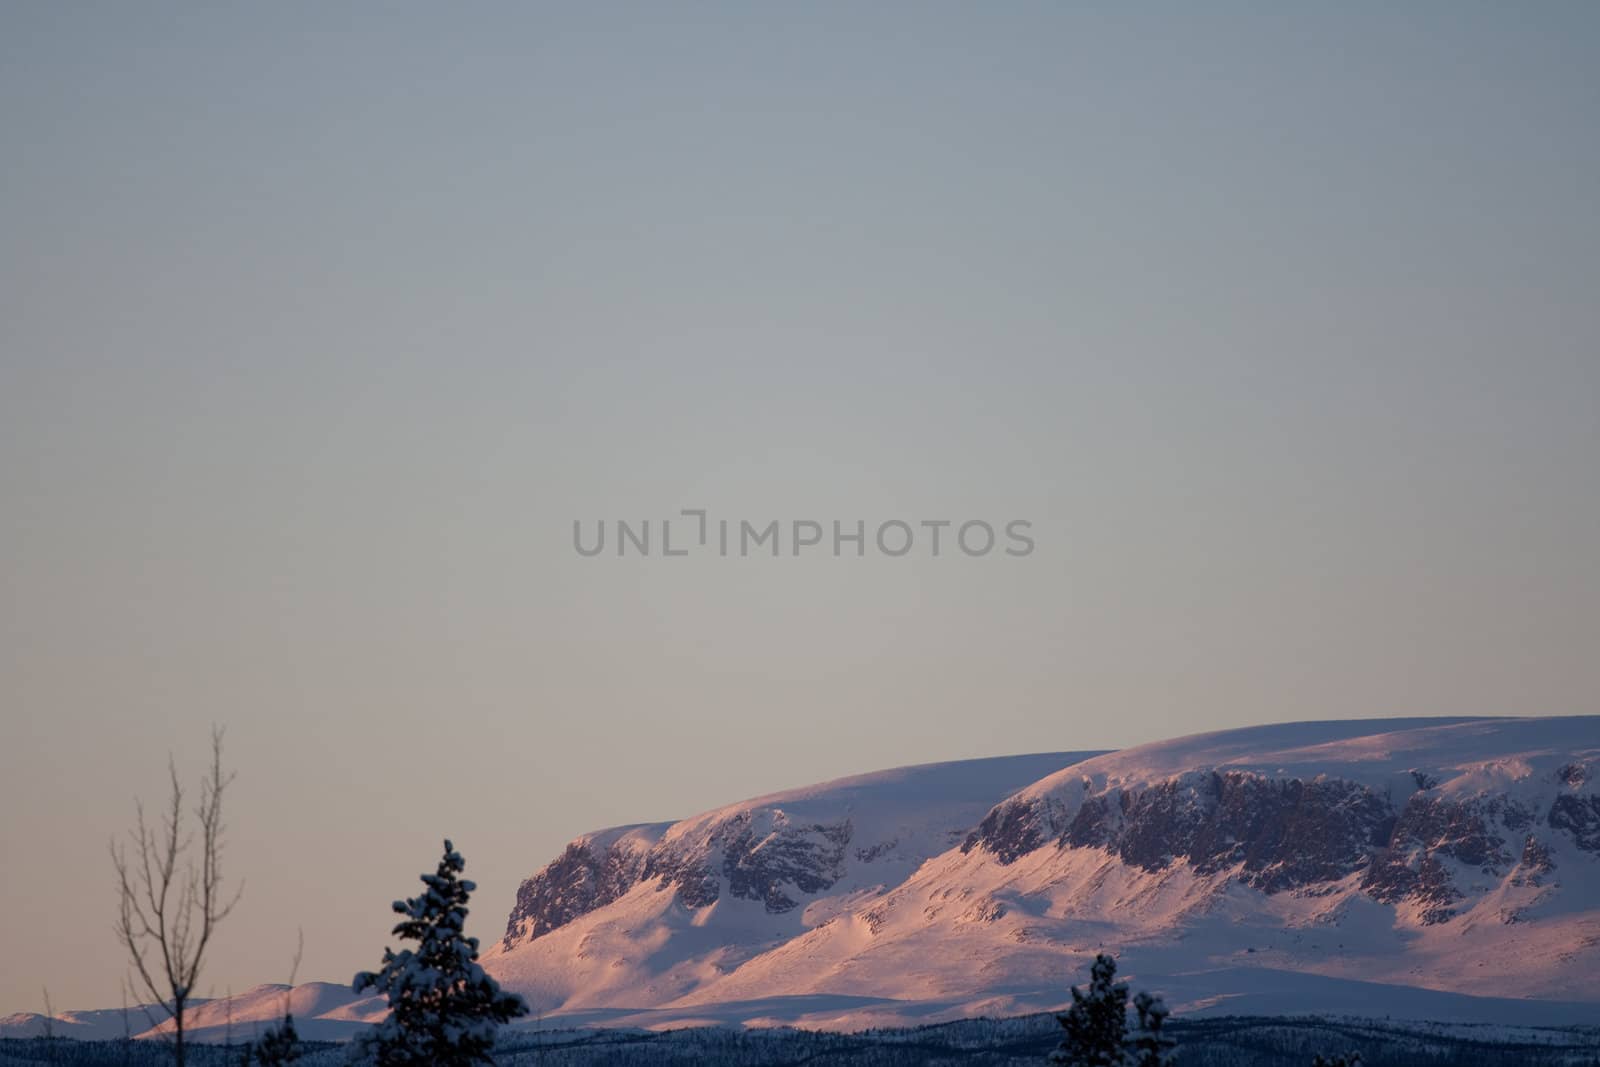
(320, 324)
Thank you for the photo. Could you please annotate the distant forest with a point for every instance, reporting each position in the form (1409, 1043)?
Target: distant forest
(1220, 1042)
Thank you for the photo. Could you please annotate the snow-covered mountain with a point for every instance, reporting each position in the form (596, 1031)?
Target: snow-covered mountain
(101, 1024)
(645, 915)
(323, 1011)
(1437, 868)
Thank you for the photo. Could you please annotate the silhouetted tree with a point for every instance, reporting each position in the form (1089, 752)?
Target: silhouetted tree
(281, 1043)
(1097, 1025)
(1150, 1046)
(1097, 1022)
(49, 1026)
(444, 1009)
(170, 892)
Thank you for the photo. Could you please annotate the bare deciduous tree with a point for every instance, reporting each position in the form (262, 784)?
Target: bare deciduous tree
(170, 891)
(281, 1043)
(49, 1026)
(294, 967)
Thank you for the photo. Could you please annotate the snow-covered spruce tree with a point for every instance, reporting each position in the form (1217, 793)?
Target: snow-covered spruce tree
(279, 1045)
(1150, 1047)
(1097, 1022)
(444, 1009)
(1097, 1025)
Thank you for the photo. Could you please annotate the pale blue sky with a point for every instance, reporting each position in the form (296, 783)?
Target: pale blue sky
(319, 324)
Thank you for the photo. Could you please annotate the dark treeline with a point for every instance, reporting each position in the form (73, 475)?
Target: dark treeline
(1222, 1042)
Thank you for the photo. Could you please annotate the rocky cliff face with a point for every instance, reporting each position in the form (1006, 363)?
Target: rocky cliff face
(1281, 834)
(1291, 833)
(1274, 866)
(760, 856)
(588, 875)
(756, 855)
(781, 851)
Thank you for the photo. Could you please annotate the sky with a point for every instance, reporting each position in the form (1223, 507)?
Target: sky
(321, 325)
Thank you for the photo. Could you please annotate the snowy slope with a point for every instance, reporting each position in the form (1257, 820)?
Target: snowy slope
(1403, 867)
(648, 914)
(107, 1024)
(323, 1011)
(1434, 869)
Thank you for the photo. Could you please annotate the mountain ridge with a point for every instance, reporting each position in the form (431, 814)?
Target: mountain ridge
(1417, 849)
(1438, 869)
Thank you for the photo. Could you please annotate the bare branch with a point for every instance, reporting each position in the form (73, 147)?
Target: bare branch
(170, 891)
(144, 1009)
(294, 968)
(299, 950)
